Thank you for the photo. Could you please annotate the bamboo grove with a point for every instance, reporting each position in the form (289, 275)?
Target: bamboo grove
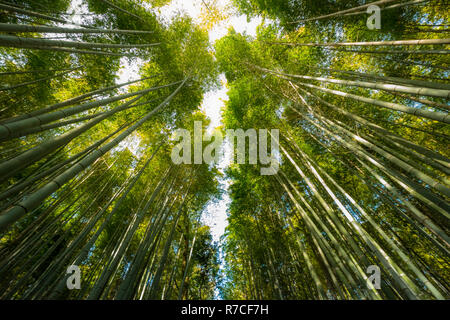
(86, 176)
(86, 173)
(363, 180)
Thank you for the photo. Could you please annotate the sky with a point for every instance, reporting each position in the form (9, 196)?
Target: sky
(215, 214)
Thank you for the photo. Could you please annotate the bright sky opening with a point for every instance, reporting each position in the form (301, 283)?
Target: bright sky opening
(215, 214)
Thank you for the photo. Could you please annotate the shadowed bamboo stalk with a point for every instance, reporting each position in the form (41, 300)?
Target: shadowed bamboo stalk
(377, 86)
(172, 274)
(122, 10)
(431, 158)
(77, 51)
(30, 203)
(335, 222)
(162, 264)
(82, 254)
(394, 52)
(12, 27)
(46, 223)
(327, 254)
(11, 8)
(42, 128)
(425, 101)
(32, 71)
(18, 187)
(359, 173)
(411, 186)
(398, 5)
(11, 167)
(10, 128)
(434, 159)
(368, 44)
(433, 115)
(388, 240)
(147, 246)
(343, 12)
(61, 285)
(345, 259)
(76, 217)
(101, 282)
(30, 43)
(54, 125)
(346, 280)
(411, 82)
(434, 291)
(415, 187)
(399, 275)
(71, 101)
(188, 265)
(396, 176)
(15, 86)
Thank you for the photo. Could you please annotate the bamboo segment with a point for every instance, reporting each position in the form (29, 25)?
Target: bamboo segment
(37, 80)
(20, 42)
(433, 115)
(27, 205)
(19, 28)
(71, 101)
(343, 12)
(377, 86)
(11, 128)
(369, 43)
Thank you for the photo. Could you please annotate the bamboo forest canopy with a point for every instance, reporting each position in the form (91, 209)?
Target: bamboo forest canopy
(87, 179)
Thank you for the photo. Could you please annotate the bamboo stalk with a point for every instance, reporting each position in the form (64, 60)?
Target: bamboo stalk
(19, 28)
